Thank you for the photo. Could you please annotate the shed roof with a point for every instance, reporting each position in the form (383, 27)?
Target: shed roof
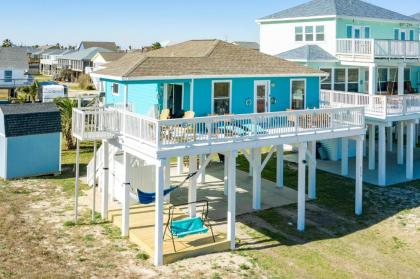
(307, 53)
(14, 58)
(30, 119)
(201, 58)
(352, 8)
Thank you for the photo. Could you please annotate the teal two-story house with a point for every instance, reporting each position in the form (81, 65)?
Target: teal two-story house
(354, 41)
(208, 77)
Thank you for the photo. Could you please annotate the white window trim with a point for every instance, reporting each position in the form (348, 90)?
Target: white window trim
(212, 94)
(112, 89)
(267, 83)
(291, 92)
(165, 94)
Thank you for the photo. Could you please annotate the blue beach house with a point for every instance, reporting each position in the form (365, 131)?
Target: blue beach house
(209, 77)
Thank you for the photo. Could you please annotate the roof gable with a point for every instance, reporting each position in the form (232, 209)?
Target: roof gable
(352, 8)
(201, 58)
(416, 16)
(307, 53)
(85, 54)
(90, 44)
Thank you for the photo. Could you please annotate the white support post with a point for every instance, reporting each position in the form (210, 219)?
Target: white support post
(312, 170)
(401, 79)
(251, 160)
(225, 177)
(192, 191)
(167, 179)
(203, 168)
(301, 186)
(381, 156)
(158, 257)
(344, 156)
(409, 150)
(231, 214)
(126, 200)
(94, 183)
(400, 143)
(280, 166)
(180, 165)
(256, 179)
(76, 182)
(359, 176)
(372, 79)
(389, 139)
(105, 180)
(372, 148)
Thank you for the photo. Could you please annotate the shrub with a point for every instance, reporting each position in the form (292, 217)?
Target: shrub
(84, 82)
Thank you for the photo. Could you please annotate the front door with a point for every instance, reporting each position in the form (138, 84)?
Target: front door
(357, 32)
(173, 100)
(261, 92)
(298, 90)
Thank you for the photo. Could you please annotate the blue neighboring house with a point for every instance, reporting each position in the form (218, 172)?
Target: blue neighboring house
(208, 77)
(30, 139)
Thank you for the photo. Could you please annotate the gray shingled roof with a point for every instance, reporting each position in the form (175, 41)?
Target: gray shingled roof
(14, 58)
(107, 45)
(86, 54)
(251, 45)
(307, 53)
(416, 16)
(352, 8)
(30, 119)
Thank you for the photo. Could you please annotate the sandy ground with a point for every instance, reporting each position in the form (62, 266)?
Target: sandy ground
(39, 241)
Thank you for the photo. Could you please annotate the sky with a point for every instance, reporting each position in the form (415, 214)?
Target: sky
(139, 23)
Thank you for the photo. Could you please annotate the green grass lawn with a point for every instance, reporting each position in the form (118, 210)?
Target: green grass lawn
(382, 243)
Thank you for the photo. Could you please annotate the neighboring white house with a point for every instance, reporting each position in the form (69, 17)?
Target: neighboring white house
(372, 56)
(99, 62)
(49, 61)
(14, 67)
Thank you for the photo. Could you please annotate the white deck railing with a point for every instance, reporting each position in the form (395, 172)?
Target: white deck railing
(375, 105)
(89, 124)
(370, 48)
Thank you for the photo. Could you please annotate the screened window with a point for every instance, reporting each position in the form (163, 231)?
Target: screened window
(393, 74)
(298, 94)
(309, 33)
(326, 83)
(299, 34)
(367, 32)
(320, 36)
(340, 79)
(8, 76)
(353, 80)
(396, 34)
(115, 89)
(221, 98)
(349, 31)
(382, 79)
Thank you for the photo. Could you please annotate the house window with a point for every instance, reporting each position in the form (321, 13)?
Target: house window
(349, 31)
(396, 34)
(320, 36)
(326, 83)
(411, 35)
(309, 33)
(221, 97)
(115, 88)
(407, 74)
(353, 80)
(340, 79)
(382, 79)
(298, 33)
(8, 76)
(367, 32)
(298, 94)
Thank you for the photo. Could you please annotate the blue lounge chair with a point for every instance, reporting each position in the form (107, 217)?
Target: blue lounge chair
(188, 226)
(235, 130)
(250, 128)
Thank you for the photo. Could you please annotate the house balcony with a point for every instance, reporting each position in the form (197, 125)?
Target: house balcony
(385, 107)
(166, 138)
(367, 50)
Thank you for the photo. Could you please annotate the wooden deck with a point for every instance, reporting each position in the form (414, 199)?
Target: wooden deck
(141, 232)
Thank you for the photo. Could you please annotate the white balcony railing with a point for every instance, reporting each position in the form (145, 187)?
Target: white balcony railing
(371, 49)
(89, 124)
(375, 105)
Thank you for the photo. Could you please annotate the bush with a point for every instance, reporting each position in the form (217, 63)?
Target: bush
(84, 82)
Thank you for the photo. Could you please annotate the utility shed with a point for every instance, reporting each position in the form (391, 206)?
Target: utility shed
(30, 140)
